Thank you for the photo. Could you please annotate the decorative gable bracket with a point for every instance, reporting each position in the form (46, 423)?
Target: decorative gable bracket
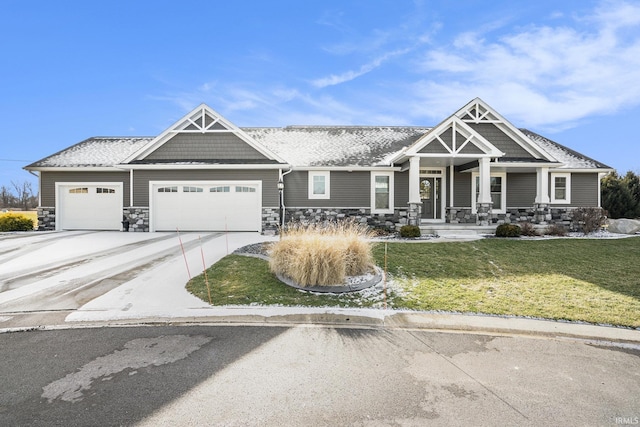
(202, 119)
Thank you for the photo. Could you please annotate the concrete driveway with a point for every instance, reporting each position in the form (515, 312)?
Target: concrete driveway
(94, 276)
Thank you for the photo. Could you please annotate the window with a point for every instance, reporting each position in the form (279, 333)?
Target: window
(168, 190)
(100, 190)
(560, 188)
(80, 190)
(221, 189)
(498, 188)
(382, 192)
(240, 189)
(319, 184)
(192, 189)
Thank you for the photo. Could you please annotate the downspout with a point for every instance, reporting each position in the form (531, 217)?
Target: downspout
(39, 186)
(282, 205)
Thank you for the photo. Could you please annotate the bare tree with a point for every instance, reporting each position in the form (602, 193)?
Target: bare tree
(6, 198)
(24, 193)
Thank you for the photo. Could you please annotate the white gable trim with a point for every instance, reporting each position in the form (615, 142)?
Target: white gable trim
(191, 119)
(457, 126)
(481, 112)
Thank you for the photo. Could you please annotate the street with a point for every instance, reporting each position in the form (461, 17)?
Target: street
(311, 376)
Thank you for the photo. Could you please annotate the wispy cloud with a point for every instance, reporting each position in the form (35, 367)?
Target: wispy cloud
(544, 76)
(335, 79)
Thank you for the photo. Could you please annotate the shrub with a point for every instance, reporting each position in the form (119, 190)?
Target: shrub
(407, 231)
(621, 195)
(15, 222)
(322, 254)
(556, 230)
(527, 229)
(588, 220)
(508, 230)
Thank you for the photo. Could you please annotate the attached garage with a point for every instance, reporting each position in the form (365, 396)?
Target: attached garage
(89, 206)
(206, 206)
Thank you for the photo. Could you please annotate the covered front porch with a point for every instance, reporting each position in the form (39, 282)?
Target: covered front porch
(475, 192)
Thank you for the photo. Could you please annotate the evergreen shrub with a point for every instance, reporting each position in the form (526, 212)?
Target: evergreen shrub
(408, 231)
(508, 230)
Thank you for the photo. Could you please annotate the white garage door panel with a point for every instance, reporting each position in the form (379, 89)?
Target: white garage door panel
(90, 207)
(229, 208)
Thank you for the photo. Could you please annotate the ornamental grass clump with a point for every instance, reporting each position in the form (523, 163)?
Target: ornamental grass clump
(322, 254)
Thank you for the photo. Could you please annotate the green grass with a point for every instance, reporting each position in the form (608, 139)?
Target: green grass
(241, 280)
(594, 280)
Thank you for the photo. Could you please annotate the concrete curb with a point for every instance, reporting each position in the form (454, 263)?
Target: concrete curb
(366, 319)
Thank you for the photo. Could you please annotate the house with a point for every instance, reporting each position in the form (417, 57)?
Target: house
(205, 173)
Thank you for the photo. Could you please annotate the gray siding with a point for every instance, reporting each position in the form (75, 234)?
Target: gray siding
(48, 183)
(462, 190)
(208, 146)
(521, 190)
(401, 188)
(584, 189)
(347, 190)
(498, 138)
(269, 180)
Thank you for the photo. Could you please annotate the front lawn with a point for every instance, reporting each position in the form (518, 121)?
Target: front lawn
(591, 280)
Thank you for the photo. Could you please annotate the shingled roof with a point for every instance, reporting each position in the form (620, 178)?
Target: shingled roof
(301, 146)
(94, 152)
(336, 145)
(571, 159)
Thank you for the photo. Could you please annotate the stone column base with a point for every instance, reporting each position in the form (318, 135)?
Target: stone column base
(542, 213)
(483, 213)
(414, 213)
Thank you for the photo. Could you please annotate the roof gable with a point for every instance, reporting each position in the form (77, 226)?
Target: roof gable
(204, 135)
(453, 138)
(490, 124)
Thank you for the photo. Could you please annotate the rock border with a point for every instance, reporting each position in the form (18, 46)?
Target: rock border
(359, 285)
(353, 283)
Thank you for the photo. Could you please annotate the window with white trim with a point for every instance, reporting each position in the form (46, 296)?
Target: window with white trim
(498, 188)
(319, 184)
(79, 190)
(101, 190)
(382, 192)
(560, 188)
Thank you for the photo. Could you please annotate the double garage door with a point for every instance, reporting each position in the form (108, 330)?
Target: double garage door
(213, 206)
(186, 206)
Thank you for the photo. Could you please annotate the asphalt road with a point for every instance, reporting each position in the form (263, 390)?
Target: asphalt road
(311, 376)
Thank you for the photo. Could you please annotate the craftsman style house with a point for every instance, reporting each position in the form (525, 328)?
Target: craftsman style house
(205, 173)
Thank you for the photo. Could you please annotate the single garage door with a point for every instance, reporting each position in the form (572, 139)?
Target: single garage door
(211, 206)
(89, 206)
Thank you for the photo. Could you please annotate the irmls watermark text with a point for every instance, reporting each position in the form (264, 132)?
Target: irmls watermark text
(627, 421)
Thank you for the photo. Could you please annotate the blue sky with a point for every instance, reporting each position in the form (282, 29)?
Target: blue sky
(568, 69)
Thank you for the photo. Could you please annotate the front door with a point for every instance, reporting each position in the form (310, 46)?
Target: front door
(430, 197)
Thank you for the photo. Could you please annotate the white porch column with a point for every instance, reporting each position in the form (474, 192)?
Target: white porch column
(414, 180)
(485, 181)
(542, 190)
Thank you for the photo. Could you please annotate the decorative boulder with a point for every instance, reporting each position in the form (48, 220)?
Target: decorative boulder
(624, 226)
